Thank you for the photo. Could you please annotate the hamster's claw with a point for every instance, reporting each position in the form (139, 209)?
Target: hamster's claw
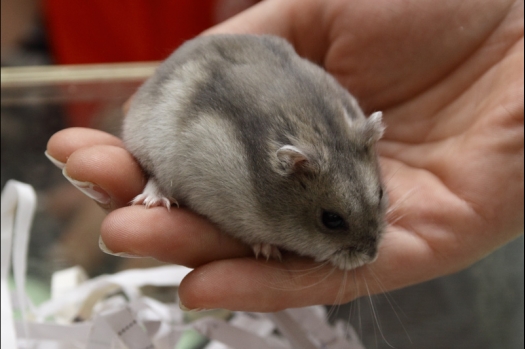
(266, 250)
(151, 196)
(151, 201)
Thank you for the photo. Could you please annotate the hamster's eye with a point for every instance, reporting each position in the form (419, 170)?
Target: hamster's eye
(380, 193)
(332, 220)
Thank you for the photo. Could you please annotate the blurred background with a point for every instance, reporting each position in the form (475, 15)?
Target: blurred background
(74, 63)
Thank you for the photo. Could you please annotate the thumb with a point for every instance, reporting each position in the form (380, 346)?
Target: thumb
(266, 17)
(292, 20)
(247, 284)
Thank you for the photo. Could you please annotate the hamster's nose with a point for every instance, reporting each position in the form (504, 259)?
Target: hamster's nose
(372, 252)
(368, 246)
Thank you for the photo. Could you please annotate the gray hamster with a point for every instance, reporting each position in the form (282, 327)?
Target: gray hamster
(263, 143)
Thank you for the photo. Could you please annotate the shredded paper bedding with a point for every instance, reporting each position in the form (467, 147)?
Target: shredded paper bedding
(111, 311)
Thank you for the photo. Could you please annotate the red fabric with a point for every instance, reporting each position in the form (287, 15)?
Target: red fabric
(98, 31)
(107, 31)
(110, 31)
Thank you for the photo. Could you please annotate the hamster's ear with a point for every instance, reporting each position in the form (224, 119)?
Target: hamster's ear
(374, 128)
(291, 160)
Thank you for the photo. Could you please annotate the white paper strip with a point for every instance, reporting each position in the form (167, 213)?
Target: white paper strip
(317, 328)
(124, 324)
(292, 330)
(170, 275)
(77, 332)
(8, 328)
(232, 336)
(259, 326)
(114, 313)
(18, 208)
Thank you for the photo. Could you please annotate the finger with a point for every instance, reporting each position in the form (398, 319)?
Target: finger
(288, 19)
(265, 17)
(65, 142)
(248, 284)
(178, 236)
(109, 173)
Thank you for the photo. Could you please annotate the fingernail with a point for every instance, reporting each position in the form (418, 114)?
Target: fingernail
(91, 190)
(55, 162)
(184, 308)
(105, 249)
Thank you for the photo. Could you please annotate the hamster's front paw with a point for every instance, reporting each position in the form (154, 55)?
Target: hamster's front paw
(151, 196)
(266, 250)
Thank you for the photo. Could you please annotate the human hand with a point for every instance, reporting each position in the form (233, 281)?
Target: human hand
(448, 77)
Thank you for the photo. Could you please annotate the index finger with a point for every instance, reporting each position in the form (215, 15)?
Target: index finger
(65, 142)
(98, 165)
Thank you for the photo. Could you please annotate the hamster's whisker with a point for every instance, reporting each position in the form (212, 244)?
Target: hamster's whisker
(310, 271)
(392, 215)
(374, 314)
(283, 288)
(320, 266)
(391, 301)
(400, 201)
(336, 305)
(396, 219)
(389, 178)
(358, 305)
(352, 304)
(341, 292)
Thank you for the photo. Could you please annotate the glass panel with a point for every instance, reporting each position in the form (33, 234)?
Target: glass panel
(36, 103)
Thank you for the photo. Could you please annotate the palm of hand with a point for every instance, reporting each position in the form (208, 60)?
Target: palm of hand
(453, 127)
(447, 82)
(450, 84)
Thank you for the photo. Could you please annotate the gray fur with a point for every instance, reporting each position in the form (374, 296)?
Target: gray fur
(208, 127)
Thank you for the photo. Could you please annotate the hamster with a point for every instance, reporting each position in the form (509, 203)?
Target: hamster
(265, 144)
